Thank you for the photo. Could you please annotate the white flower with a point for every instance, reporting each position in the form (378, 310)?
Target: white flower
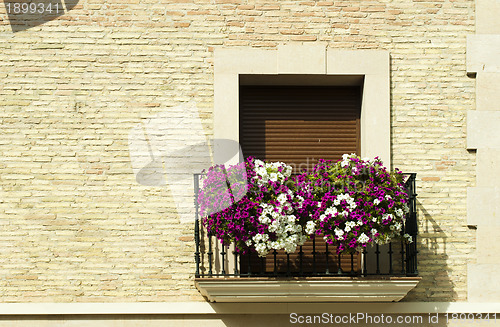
(363, 238)
(376, 202)
(350, 223)
(275, 225)
(261, 249)
(310, 227)
(339, 232)
(264, 220)
(300, 201)
(258, 162)
(290, 247)
(261, 171)
(387, 217)
(374, 231)
(331, 211)
(282, 198)
(408, 238)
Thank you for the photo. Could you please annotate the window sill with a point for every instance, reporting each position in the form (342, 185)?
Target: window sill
(312, 289)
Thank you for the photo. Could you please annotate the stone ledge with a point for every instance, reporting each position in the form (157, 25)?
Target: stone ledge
(483, 53)
(483, 206)
(321, 289)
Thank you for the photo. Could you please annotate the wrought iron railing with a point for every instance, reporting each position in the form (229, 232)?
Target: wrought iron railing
(397, 258)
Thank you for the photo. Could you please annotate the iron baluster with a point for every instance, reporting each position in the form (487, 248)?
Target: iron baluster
(210, 255)
(364, 262)
(327, 269)
(390, 258)
(196, 226)
(314, 255)
(223, 254)
(301, 253)
(377, 255)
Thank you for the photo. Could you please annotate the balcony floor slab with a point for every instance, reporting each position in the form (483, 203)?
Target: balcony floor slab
(307, 289)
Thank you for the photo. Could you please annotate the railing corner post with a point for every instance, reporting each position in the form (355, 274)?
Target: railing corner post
(196, 226)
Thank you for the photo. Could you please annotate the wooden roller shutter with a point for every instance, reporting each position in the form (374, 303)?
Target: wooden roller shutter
(299, 125)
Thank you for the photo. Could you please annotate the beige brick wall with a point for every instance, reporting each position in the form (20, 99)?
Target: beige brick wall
(75, 224)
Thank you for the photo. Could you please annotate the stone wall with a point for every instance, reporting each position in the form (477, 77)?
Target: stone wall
(483, 136)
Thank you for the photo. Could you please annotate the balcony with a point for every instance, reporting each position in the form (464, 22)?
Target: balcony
(314, 273)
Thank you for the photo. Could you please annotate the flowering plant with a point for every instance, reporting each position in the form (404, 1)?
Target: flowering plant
(356, 202)
(254, 205)
(351, 203)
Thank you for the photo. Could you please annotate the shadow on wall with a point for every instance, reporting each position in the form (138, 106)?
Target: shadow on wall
(27, 14)
(436, 284)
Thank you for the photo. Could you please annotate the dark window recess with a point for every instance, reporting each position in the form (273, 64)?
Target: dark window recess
(313, 258)
(299, 125)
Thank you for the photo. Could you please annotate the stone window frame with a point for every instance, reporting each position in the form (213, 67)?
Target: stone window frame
(314, 60)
